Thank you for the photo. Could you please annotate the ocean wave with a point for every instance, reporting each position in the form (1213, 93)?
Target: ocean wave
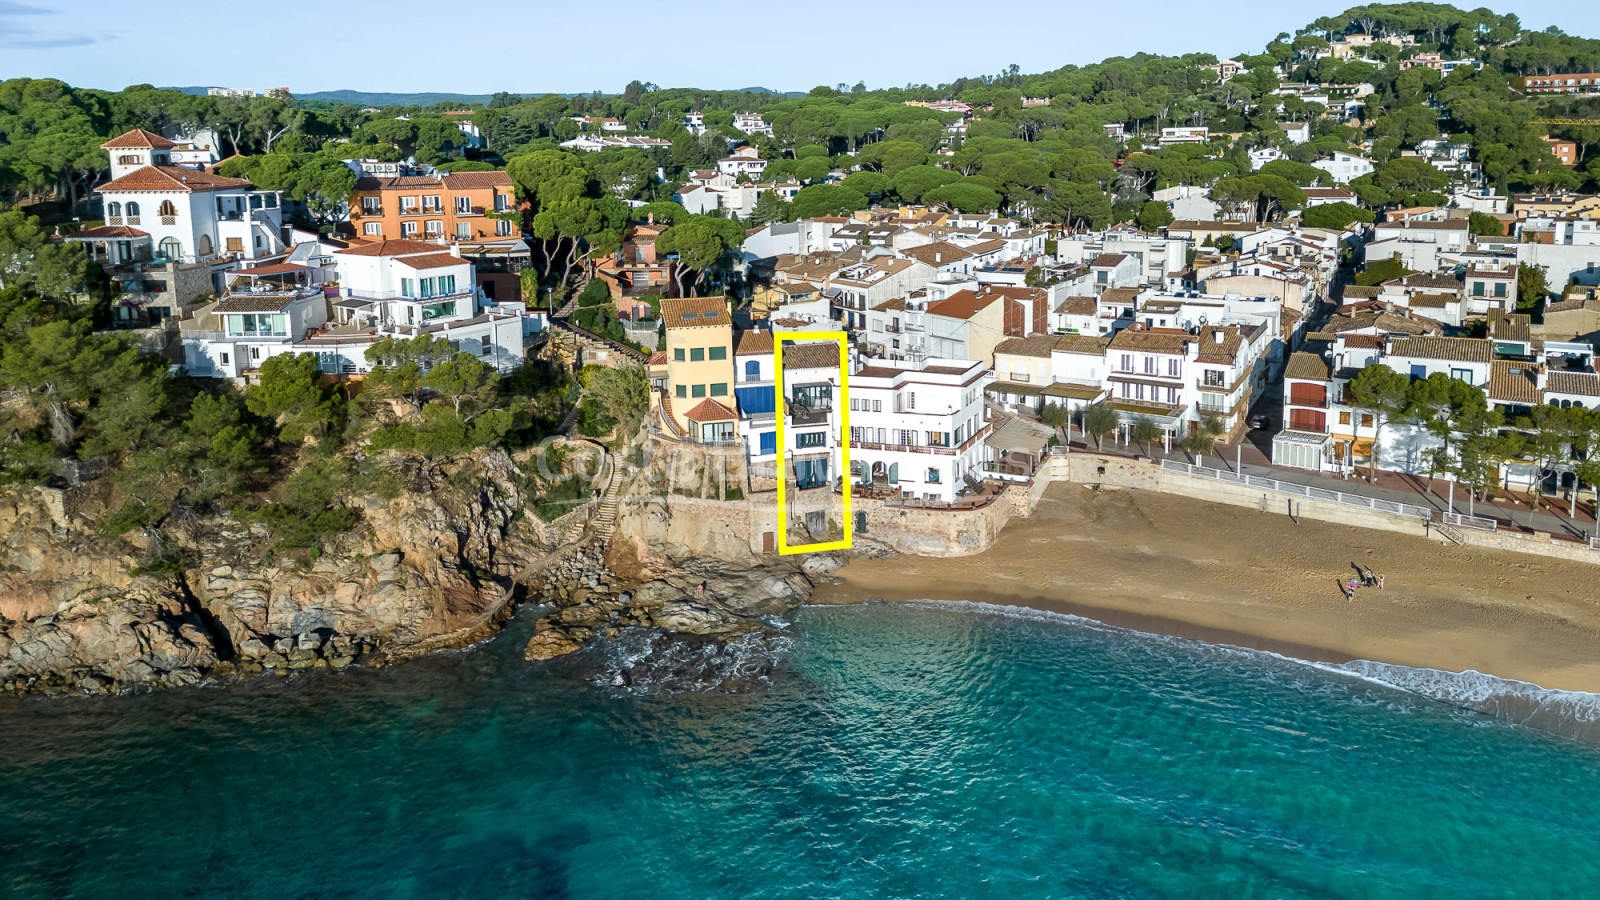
(1570, 714)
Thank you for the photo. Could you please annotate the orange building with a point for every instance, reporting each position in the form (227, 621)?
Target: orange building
(1566, 151)
(452, 206)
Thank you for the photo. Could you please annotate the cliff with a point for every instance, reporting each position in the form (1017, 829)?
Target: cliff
(431, 569)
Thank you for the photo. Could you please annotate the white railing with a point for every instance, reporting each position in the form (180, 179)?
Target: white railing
(1301, 490)
(1594, 543)
(1478, 522)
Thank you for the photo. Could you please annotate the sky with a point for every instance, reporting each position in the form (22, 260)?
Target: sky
(566, 47)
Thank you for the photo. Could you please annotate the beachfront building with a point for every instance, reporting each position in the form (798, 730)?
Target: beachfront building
(700, 374)
(917, 427)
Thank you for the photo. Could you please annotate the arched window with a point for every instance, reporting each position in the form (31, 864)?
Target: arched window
(167, 209)
(752, 370)
(133, 208)
(171, 248)
(205, 245)
(113, 209)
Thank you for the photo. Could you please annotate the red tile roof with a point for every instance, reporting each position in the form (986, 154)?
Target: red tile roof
(471, 180)
(710, 411)
(170, 178)
(962, 304)
(138, 138)
(431, 261)
(110, 231)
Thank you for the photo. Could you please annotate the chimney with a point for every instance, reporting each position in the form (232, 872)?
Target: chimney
(1216, 336)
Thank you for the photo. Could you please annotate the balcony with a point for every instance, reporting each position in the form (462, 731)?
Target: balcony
(469, 210)
(366, 212)
(1134, 373)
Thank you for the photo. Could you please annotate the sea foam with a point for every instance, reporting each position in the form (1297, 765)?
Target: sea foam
(1571, 714)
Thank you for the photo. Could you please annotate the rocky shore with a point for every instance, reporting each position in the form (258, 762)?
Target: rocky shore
(442, 566)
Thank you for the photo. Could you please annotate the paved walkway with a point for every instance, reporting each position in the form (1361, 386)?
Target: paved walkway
(1514, 512)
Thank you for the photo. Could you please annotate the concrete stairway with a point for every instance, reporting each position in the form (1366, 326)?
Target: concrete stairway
(604, 523)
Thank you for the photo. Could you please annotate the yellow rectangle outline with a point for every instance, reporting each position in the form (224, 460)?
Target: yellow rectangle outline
(778, 337)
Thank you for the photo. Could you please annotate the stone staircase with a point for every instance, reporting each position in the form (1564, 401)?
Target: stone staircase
(604, 523)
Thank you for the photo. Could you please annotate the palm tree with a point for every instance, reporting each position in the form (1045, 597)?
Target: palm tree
(1144, 430)
(1100, 420)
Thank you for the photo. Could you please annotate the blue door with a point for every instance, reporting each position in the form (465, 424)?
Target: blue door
(769, 443)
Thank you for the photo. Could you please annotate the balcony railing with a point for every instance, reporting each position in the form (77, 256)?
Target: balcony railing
(1134, 373)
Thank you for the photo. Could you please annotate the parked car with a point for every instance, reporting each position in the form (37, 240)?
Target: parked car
(1260, 423)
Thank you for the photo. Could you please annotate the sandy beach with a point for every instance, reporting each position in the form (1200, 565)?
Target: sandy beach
(1226, 574)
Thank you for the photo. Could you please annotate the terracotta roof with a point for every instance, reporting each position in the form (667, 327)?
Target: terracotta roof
(695, 312)
(245, 303)
(1451, 349)
(1513, 382)
(937, 253)
(431, 261)
(1582, 383)
(1149, 341)
(1038, 345)
(1219, 344)
(824, 355)
(1514, 327)
(1084, 344)
(709, 410)
(1363, 291)
(1432, 301)
(138, 138)
(962, 304)
(988, 246)
(109, 231)
(1077, 306)
(396, 247)
(754, 343)
(1120, 295)
(470, 180)
(1435, 280)
(1427, 225)
(170, 178)
(896, 304)
(1369, 341)
(1107, 260)
(1307, 366)
(658, 358)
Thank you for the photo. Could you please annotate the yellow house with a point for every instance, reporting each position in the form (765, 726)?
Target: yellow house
(699, 367)
(769, 298)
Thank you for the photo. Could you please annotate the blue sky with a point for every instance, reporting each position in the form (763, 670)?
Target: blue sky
(406, 45)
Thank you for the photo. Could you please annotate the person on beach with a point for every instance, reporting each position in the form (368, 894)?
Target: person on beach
(1380, 582)
(1353, 585)
(1371, 578)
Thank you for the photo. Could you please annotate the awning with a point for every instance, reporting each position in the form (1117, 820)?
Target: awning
(1021, 435)
(279, 269)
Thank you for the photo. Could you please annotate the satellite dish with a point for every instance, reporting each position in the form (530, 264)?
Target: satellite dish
(1202, 321)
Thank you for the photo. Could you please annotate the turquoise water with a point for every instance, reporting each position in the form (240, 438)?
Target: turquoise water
(920, 751)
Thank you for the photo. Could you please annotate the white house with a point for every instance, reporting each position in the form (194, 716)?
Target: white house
(1345, 167)
(917, 428)
(745, 161)
(184, 214)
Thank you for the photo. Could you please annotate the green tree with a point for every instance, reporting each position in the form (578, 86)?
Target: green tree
(1054, 415)
(1484, 224)
(826, 200)
(1335, 215)
(1203, 437)
(1144, 430)
(465, 379)
(1154, 215)
(1531, 287)
(1100, 420)
(1382, 393)
(287, 392)
(621, 392)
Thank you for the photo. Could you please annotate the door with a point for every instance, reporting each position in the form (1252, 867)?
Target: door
(769, 542)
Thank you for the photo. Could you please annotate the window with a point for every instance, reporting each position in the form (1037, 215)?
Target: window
(432, 203)
(1366, 420)
(1214, 377)
(502, 228)
(1344, 418)
(1149, 365)
(113, 209)
(408, 228)
(1127, 362)
(933, 476)
(1477, 289)
(435, 227)
(235, 245)
(682, 391)
(408, 204)
(375, 228)
(698, 390)
(877, 406)
(130, 159)
(810, 439)
(502, 203)
(697, 354)
(408, 287)
(911, 400)
(1461, 374)
(133, 210)
(463, 206)
(1172, 368)
(718, 353)
(371, 205)
(171, 248)
(1500, 289)
(463, 230)
(752, 370)
(677, 354)
(720, 389)
(167, 209)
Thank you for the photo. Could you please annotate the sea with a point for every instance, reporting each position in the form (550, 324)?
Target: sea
(929, 749)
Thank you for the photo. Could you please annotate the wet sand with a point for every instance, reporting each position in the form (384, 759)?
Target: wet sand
(1227, 574)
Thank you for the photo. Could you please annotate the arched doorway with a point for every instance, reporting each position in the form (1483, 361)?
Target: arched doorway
(205, 245)
(171, 248)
